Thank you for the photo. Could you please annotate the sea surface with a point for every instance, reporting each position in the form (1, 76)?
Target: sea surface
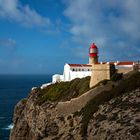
(13, 88)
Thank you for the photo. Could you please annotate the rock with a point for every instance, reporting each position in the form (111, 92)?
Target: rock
(115, 119)
(117, 122)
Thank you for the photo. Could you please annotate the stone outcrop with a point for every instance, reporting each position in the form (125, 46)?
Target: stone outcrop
(112, 119)
(117, 119)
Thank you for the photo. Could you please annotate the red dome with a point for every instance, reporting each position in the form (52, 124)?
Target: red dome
(93, 46)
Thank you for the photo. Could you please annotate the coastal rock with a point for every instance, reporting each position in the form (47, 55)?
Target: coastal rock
(118, 119)
(106, 112)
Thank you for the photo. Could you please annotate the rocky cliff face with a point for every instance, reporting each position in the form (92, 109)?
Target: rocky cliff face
(106, 112)
(117, 119)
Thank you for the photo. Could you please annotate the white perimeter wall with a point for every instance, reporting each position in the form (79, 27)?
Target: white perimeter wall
(80, 74)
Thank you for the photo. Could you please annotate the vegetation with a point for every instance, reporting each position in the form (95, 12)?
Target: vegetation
(64, 90)
(116, 76)
(125, 85)
(24, 101)
(103, 82)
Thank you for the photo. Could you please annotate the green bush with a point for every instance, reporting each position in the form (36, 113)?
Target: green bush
(104, 82)
(64, 90)
(116, 76)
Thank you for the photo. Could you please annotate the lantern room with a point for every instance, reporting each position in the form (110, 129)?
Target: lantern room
(93, 50)
(93, 54)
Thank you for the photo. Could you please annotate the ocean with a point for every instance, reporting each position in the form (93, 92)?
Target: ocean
(13, 88)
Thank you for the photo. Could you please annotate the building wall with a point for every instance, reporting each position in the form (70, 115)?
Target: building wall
(101, 72)
(66, 72)
(93, 60)
(98, 72)
(124, 70)
(71, 73)
(57, 78)
(79, 74)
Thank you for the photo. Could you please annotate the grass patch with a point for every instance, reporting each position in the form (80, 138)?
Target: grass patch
(64, 90)
(125, 85)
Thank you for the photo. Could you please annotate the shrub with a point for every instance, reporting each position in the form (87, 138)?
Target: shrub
(116, 76)
(64, 90)
(104, 82)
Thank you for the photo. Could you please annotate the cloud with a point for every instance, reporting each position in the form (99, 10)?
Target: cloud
(112, 25)
(13, 10)
(11, 43)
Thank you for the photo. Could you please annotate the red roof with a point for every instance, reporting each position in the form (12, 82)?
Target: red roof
(118, 63)
(125, 63)
(80, 65)
(87, 65)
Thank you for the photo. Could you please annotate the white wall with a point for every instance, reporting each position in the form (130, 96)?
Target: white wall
(66, 72)
(123, 66)
(71, 73)
(79, 74)
(57, 78)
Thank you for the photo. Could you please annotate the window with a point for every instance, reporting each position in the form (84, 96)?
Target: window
(93, 50)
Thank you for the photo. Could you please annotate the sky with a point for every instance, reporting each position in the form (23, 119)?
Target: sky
(40, 36)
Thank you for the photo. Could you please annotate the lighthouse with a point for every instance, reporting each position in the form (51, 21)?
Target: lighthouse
(93, 54)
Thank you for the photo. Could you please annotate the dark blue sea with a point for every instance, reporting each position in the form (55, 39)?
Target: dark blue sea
(12, 89)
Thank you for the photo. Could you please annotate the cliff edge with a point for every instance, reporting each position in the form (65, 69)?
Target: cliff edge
(72, 111)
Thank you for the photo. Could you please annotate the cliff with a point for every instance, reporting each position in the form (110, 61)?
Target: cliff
(72, 111)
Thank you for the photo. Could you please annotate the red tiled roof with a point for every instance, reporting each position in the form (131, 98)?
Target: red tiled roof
(118, 63)
(79, 65)
(125, 63)
(87, 65)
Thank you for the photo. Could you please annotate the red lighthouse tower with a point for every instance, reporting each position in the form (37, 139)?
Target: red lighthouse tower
(93, 54)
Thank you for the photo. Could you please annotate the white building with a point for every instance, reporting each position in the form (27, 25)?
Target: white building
(72, 71)
(57, 78)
